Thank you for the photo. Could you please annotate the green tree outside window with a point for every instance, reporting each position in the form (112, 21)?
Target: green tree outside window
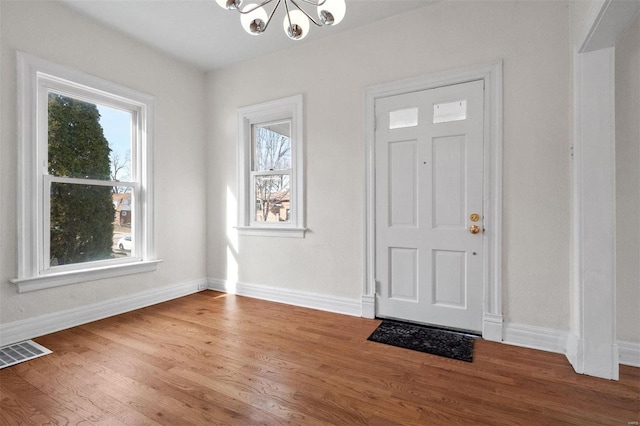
(81, 216)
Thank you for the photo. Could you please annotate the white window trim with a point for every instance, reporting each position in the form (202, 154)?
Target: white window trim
(35, 75)
(290, 108)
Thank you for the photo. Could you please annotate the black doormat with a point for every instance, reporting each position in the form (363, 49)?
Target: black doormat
(431, 340)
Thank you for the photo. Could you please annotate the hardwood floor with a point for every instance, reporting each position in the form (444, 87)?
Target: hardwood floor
(212, 359)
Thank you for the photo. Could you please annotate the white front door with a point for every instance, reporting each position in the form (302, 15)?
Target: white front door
(429, 199)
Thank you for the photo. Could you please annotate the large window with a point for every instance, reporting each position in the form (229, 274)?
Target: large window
(271, 176)
(85, 195)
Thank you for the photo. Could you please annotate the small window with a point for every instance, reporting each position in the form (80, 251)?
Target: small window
(271, 176)
(86, 183)
(403, 118)
(450, 111)
(271, 172)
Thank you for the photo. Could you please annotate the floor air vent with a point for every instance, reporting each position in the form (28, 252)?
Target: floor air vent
(20, 352)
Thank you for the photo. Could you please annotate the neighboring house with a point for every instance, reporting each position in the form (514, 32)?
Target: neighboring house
(122, 204)
(279, 208)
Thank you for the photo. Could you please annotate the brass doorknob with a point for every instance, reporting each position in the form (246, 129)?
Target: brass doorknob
(474, 229)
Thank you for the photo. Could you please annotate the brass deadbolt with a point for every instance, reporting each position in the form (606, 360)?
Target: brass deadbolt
(474, 217)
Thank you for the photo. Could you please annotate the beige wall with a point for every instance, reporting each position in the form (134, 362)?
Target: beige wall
(53, 32)
(628, 183)
(533, 39)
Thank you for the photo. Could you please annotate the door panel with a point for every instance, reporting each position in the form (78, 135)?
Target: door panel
(450, 283)
(449, 179)
(429, 166)
(403, 184)
(403, 273)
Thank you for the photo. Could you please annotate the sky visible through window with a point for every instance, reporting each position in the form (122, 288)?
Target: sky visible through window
(116, 125)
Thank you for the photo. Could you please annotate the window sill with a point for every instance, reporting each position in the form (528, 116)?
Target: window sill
(65, 278)
(271, 231)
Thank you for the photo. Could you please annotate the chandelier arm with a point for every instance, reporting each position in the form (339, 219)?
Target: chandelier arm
(315, 3)
(272, 13)
(303, 11)
(258, 6)
(286, 9)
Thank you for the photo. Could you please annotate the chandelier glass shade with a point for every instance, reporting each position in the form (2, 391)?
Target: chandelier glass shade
(255, 19)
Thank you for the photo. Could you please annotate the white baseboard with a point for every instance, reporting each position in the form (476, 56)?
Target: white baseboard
(492, 327)
(533, 337)
(33, 327)
(629, 353)
(529, 336)
(368, 304)
(304, 299)
(564, 342)
(574, 353)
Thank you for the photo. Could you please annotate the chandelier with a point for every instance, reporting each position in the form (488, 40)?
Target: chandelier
(255, 19)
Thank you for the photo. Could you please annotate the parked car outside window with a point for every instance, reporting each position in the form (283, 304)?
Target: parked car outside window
(125, 243)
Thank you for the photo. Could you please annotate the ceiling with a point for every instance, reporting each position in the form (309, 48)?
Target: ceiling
(202, 33)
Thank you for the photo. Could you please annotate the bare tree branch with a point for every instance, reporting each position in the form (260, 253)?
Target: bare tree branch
(120, 169)
(272, 152)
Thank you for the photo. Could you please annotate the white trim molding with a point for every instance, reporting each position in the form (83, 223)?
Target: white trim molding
(492, 327)
(289, 109)
(37, 78)
(629, 353)
(540, 338)
(563, 342)
(271, 231)
(592, 347)
(607, 19)
(594, 216)
(491, 74)
(321, 302)
(74, 277)
(368, 306)
(30, 328)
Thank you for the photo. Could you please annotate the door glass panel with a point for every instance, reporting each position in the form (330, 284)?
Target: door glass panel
(450, 111)
(402, 118)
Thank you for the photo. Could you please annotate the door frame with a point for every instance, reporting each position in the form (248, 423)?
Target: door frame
(592, 346)
(491, 74)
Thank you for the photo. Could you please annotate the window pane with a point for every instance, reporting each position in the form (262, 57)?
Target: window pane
(403, 118)
(122, 237)
(81, 223)
(86, 140)
(272, 146)
(451, 111)
(273, 200)
(117, 128)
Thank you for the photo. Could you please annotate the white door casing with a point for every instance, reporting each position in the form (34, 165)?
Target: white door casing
(592, 345)
(491, 75)
(428, 184)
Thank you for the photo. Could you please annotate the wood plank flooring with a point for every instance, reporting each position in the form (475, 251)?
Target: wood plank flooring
(210, 359)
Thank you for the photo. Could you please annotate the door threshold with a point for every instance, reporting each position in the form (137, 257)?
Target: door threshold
(433, 326)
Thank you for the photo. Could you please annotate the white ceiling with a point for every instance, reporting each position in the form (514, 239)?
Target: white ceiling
(202, 33)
